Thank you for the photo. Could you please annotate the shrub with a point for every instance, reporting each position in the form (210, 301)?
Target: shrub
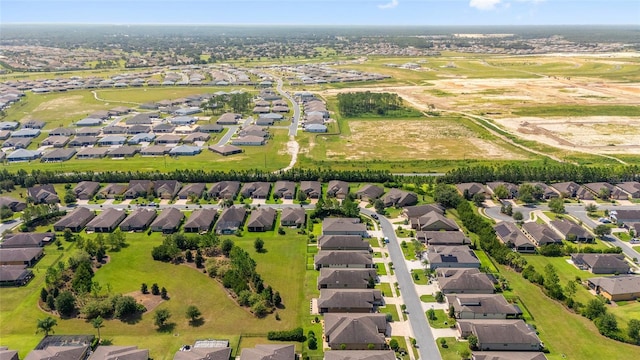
(393, 344)
(296, 334)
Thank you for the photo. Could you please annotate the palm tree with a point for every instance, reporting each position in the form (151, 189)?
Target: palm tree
(46, 325)
(97, 324)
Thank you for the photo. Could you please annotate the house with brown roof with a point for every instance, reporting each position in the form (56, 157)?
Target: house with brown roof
(503, 335)
(337, 278)
(13, 204)
(569, 230)
(85, 190)
(482, 306)
(468, 190)
(313, 189)
(103, 352)
(269, 352)
(111, 191)
(464, 281)
(541, 234)
(106, 221)
(442, 256)
(369, 192)
(13, 275)
(616, 288)
(27, 240)
(231, 220)
(355, 331)
(360, 355)
(70, 352)
(225, 150)
(566, 189)
(248, 140)
(57, 155)
(194, 190)
(139, 220)
(546, 191)
(343, 242)
(21, 256)
(55, 141)
(293, 216)
(123, 152)
(75, 220)
(630, 187)
(344, 226)
(399, 198)
(349, 300)
(442, 238)
(228, 119)
(166, 189)
(512, 189)
(601, 263)
(414, 212)
(92, 153)
(139, 188)
(599, 189)
(224, 190)
(509, 234)
(83, 141)
(43, 194)
(261, 219)
(338, 189)
(343, 259)
(284, 190)
(256, 190)
(507, 355)
(201, 220)
(168, 221)
(203, 353)
(434, 221)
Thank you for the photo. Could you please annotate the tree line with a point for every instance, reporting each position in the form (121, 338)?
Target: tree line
(360, 103)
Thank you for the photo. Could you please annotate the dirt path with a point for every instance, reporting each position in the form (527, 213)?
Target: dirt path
(292, 148)
(95, 96)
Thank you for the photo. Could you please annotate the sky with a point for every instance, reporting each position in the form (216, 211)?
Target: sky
(323, 12)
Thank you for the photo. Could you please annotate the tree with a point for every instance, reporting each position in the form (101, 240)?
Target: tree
(163, 293)
(144, 289)
(301, 196)
(160, 317)
(65, 303)
(192, 313)
(591, 208)
(594, 309)
(199, 259)
(556, 205)
(312, 343)
(69, 198)
(443, 342)
(43, 295)
(473, 341)
(446, 195)
(188, 256)
(155, 290)
(46, 325)
(393, 344)
(5, 212)
(277, 300)
(124, 306)
(379, 206)
(51, 302)
(431, 314)
(501, 192)
(81, 282)
(97, 324)
(439, 297)
(452, 311)
(571, 289)
(602, 230)
(526, 193)
(633, 330)
(518, 216)
(604, 193)
(227, 245)
(478, 199)
(258, 244)
(607, 324)
(465, 354)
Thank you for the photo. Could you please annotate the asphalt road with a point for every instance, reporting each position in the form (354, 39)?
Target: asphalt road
(232, 130)
(421, 330)
(293, 129)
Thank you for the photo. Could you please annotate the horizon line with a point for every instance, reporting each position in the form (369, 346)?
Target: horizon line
(312, 25)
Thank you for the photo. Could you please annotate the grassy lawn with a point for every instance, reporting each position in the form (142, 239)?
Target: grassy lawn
(453, 348)
(385, 288)
(390, 309)
(427, 298)
(442, 320)
(186, 286)
(374, 242)
(403, 345)
(566, 272)
(418, 277)
(485, 262)
(404, 233)
(408, 250)
(381, 269)
(574, 336)
(578, 110)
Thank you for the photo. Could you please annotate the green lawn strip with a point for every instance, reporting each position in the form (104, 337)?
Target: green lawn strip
(377, 254)
(418, 277)
(442, 320)
(541, 110)
(452, 349)
(427, 298)
(624, 236)
(381, 269)
(404, 233)
(403, 345)
(385, 288)
(485, 261)
(564, 332)
(374, 242)
(408, 250)
(390, 309)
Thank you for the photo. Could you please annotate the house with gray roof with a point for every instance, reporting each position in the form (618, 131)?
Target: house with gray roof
(75, 220)
(25, 133)
(204, 353)
(442, 256)
(111, 191)
(414, 212)
(256, 190)
(73, 352)
(315, 128)
(293, 216)
(269, 352)
(231, 219)
(138, 188)
(630, 187)
(210, 128)
(337, 278)
(13, 275)
(185, 150)
(62, 132)
(55, 141)
(182, 120)
(112, 140)
(360, 355)
(502, 335)
(83, 141)
(343, 242)
(344, 331)
(103, 352)
(168, 221)
(114, 130)
(338, 189)
(138, 129)
(192, 190)
(107, 220)
(313, 189)
(344, 226)
(123, 151)
(349, 300)
(166, 189)
(482, 306)
(569, 230)
(13, 204)
(201, 220)
(58, 155)
(566, 189)
(601, 263)
(20, 256)
(250, 140)
(228, 119)
(616, 288)
(369, 192)
(507, 355)
(541, 234)
(442, 238)
(625, 216)
(43, 194)
(261, 219)
(27, 240)
(510, 235)
(464, 281)
(343, 259)
(142, 137)
(224, 190)
(399, 198)
(434, 221)
(468, 190)
(139, 220)
(89, 122)
(85, 190)
(19, 143)
(284, 189)
(20, 155)
(34, 124)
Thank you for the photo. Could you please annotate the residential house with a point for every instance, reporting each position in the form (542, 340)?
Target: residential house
(293, 216)
(567, 189)
(114, 130)
(58, 155)
(112, 140)
(111, 191)
(482, 306)
(92, 153)
(231, 220)
(442, 238)
(13, 204)
(103, 352)
(228, 119)
(70, 352)
(336, 278)
(605, 191)
(250, 140)
(313, 189)
(338, 189)
(204, 353)
(584, 193)
(507, 355)
(625, 216)
(512, 189)
(253, 130)
(13, 275)
(139, 129)
(369, 192)
(344, 226)
(210, 128)
(630, 187)
(349, 300)
(85, 190)
(256, 190)
(546, 191)
(43, 194)
(196, 136)
(440, 256)
(155, 150)
(224, 190)
(166, 189)
(21, 155)
(164, 128)
(79, 141)
(343, 242)
(434, 221)
(414, 212)
(572, 231)
(360, 355)
(464, 281)
(168, 221)
(123, 152)
(139, 188)
(182, 120)
(502, 335)
(62, 132)
(510, 235)
(262, 219)
(86, 131)
(20, 256)
(26, 240)
(601, 263)
(468, 190)
(185, 150)
(195, 190)
(75, 220)
(26, 133)
(168, 139)
(34, 124)
(616, 288)
(315, 128)
(355, 331)
(541, 234)
(284, 190)
(269, 352)
(343, 259)
(399, 198)
(139, 220)
(225, 150)
(201, 220)
(55, 141)
(106, 221)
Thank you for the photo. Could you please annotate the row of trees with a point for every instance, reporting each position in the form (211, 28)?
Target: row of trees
(237, 102)
(356, 104)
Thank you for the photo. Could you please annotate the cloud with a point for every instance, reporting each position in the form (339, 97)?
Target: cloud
(484, 4)
(390, 5)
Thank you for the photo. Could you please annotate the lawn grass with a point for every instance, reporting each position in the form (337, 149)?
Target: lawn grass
(577, 110)
(566, 272)
(381, 269)
(418, 277)
(404, 233)
(390, 309)
(385, 288)
(453, 348)
(374, 242)
(442, 320)
(485, 261)
(408, 250)
(403, 345)
(427, 298)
